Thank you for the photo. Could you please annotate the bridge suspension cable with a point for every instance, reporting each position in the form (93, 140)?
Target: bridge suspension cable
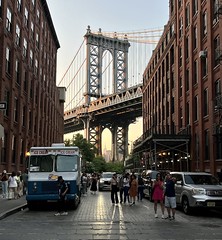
(142, 43)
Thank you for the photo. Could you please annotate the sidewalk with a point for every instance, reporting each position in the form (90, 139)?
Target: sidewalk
(8, 207)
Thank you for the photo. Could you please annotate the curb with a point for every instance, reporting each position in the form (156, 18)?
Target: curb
(12, 211)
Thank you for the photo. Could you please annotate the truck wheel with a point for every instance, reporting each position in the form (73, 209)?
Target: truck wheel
(186, 206)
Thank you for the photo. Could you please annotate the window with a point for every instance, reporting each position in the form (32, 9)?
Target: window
(180, 57)
(204, 25)
(25, 81)
(207, 146)
(33, 3)
(205, 104)
(17, 35)
(32, 30)
(31, 58)
(215, 10)
(187, 15)
(9, 20)
(187, 80)
(187, 47)
(41, 163)
(36, 66)
(195, 6)
(7, 99)
(26, 17)
(195, 72)
(196, 108)
(204, 65)
(17, 71)
(172, 105)
(23, 115)
(217, 89)
(181, 87)
(195, 37)
(19, 5)
(187, 113)
(8, 60)
(0, 8)
(181, 118)
(25, 45)
(13, 148)
(181, 27)
(16, 109)
(217, 51)
(38, 16)
(37, 40)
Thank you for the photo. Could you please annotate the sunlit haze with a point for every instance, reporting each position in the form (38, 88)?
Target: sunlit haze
(71, 18)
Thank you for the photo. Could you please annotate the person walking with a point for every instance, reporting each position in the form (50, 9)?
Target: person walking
(126, 186)
(170, 197)
(20, 184)
(133, 191)
(121, 188)
(4, 179)
(158, 194)
(12, 184)
(62, 191)
(140, 188)
(84, 184)
(114, 189)
(93, 187)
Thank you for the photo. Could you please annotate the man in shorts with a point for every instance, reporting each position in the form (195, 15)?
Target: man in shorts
(170, 197)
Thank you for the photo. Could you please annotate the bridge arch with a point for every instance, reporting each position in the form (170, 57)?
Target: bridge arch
(96, 45)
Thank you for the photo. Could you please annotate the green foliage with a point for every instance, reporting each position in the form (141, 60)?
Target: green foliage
(87, 150)
(99, 164)
(92, 163)
(117, 167)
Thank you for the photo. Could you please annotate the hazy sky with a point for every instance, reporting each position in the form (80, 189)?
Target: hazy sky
(71, 18)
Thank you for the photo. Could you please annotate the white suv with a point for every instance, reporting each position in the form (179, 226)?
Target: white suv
(105, 180)
(197, 189)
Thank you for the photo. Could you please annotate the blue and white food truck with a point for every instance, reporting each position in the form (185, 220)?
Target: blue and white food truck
(45, 164)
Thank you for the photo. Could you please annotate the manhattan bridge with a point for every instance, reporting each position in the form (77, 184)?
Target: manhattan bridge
(104, 85)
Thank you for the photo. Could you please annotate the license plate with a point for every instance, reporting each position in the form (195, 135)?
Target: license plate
(211, 204)
(51, 201)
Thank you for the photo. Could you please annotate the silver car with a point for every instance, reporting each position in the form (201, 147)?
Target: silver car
(197, 189)
(104, 180)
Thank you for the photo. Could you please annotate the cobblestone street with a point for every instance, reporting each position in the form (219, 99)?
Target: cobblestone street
(97, 218)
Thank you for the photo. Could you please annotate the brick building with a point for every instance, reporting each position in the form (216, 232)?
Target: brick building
(28, 55)
(182, 103)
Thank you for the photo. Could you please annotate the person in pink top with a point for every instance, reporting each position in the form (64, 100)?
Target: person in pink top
(158, 194)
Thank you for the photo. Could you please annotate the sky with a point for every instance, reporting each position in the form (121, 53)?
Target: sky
(71, 18)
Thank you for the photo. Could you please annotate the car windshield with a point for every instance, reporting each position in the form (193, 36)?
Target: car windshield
(107, 175)
(41, 163)
(66, 163)
(200, 179)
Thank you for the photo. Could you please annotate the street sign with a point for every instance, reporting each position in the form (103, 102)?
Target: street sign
(3, 105)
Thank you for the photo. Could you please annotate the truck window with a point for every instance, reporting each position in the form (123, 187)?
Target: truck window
(41, 163)
(66, 163)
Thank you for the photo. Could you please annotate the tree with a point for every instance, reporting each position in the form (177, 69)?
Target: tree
(117, 167)
(87, 150)
(99, 163)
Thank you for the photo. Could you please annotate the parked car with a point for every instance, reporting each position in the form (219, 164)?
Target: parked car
(197, 190)
(104, 181)
(148, 182)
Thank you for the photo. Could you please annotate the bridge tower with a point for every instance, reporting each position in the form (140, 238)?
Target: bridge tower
(96, 45)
